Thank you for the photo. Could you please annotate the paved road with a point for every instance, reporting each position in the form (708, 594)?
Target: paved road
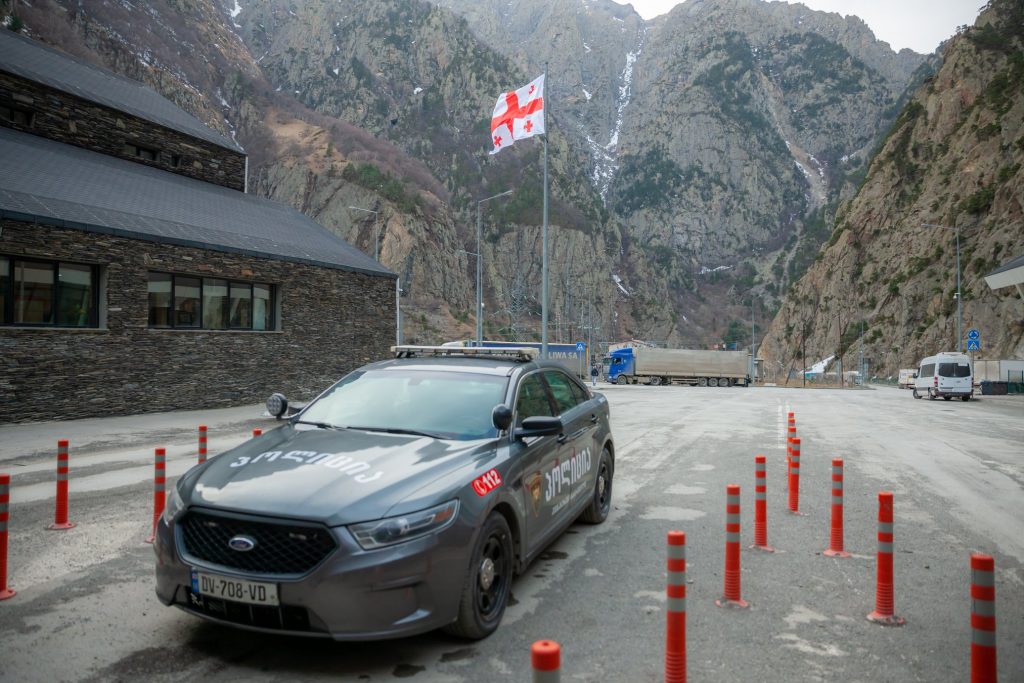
(85, 609)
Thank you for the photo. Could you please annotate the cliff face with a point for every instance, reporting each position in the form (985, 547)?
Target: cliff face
(886, 282)
(720, 138)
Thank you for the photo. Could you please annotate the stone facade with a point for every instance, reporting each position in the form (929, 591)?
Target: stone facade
(329, 322)
(65, 118)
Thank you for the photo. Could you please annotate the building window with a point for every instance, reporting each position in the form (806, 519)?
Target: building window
(181, 301)
(48, 293)
(175, 161)
(146, 153)
(19, 117)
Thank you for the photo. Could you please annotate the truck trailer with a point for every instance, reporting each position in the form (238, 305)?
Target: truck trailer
(681, 366)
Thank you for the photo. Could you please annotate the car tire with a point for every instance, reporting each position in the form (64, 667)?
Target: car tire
(965, 399)
(655, 381)
(488, 582)
(916, 395)
(621, 380)
(712, 381)
(702, 382)
(601, 499)
(947, 398)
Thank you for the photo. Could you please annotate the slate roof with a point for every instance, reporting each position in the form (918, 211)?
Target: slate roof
(1015, 263)
(56, 184)
(34, 61)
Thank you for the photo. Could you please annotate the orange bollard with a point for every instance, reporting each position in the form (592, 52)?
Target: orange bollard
(5, 501)
(883, 613)
(202, 444)
(257, 432)
(794, 477)
(983, 619)
(546, 660)
(835, 542)
(731, 592)
(159, 488)
(790, 435)
(60, 517)
(675, 630)
(761, 505)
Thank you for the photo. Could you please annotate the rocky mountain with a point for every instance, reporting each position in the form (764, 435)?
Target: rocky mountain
(720, 136)
(886, 282)
(696, 160)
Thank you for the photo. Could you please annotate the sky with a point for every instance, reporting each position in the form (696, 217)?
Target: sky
(918, 24)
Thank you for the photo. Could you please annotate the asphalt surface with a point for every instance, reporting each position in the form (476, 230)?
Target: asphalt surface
(85, 608)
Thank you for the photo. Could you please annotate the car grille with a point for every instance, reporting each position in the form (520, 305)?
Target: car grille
(279, 547)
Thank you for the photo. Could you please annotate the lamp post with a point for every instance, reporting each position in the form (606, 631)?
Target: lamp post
(376, 231)
(479, 276)
(959, 328)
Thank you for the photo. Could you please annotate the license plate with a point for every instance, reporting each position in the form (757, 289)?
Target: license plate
(238, 590)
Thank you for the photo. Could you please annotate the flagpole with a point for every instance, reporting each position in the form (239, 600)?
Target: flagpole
(544, 257)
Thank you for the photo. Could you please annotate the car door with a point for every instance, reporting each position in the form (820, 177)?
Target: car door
(577, 459)
(538, 459)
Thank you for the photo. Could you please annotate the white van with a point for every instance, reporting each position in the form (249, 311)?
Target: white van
(947, 374)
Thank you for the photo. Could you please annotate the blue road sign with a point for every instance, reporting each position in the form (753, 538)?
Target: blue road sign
(973, 345)
(580, 346)
(973, 333)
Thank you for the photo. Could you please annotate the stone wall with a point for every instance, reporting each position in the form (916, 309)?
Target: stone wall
(59, 116)
(330, 321)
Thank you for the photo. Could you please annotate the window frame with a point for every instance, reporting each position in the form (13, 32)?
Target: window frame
(271, 314)
(11, 114)
(7, 292)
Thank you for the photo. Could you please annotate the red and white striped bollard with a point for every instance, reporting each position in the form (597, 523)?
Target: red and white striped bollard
(159, 488)
(883, 613)
(983, 619)
(5, 501)
(60, 516)
(675, 627)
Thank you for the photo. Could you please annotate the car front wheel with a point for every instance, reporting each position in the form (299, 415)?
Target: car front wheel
(916, 395)
(488, 582)
(601, 499)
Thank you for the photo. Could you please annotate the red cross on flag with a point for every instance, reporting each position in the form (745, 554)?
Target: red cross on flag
(518, 115)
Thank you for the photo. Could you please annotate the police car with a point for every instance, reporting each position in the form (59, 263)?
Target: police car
(401, 500)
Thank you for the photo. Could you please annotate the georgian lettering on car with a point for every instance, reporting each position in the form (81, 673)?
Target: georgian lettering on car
(563, 475)
(336, 461)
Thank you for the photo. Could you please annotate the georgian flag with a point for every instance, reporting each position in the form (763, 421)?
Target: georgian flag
(518, 115)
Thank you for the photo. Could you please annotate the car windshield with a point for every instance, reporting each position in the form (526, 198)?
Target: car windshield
(954, 370)
(447, 405)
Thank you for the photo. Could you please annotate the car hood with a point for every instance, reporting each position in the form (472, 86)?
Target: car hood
(332, 476)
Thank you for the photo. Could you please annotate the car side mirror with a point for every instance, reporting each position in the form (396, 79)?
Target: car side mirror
(539, 425)
(501, 416)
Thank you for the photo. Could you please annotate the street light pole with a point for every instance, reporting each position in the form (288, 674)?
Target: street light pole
(753, 362)
(959, 327)
(376, 231)
(479, 276)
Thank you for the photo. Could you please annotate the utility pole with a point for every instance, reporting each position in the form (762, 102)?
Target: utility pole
(840, 359)
(479, 278)
(803, 356)
(959, 327)
(753, 361)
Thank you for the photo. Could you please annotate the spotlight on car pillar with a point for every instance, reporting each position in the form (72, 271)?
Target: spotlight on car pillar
(277, 405)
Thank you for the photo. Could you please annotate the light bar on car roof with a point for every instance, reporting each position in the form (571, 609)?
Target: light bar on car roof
(519, 353)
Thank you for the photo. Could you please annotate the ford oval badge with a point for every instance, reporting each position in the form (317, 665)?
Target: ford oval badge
(242, 544)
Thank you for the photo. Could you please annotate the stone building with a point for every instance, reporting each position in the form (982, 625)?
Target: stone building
(136, 274)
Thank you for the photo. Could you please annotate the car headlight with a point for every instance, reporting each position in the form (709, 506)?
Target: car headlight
(172, 506)
(393, 530)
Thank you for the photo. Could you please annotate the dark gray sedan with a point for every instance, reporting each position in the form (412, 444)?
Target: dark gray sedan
(403, 499)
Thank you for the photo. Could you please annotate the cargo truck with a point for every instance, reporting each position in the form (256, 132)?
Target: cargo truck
(680, 366)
